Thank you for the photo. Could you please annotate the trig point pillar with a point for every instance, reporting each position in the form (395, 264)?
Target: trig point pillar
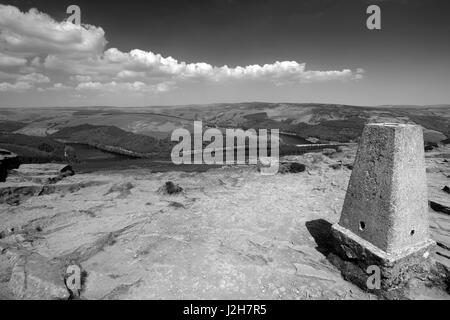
(384, 220)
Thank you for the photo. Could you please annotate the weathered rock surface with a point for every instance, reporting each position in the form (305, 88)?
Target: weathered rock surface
(439, 207)
(170, 188)
(329, 151)
(232, 234)
(122, 189)
(30, 275)
(291, 167)
(45, 173)
(29, 180)
(37, 278)
(15, 193)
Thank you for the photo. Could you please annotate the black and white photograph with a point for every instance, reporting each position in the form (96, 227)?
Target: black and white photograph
(225, 155)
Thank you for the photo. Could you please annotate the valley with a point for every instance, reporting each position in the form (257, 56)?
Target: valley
(141, 135)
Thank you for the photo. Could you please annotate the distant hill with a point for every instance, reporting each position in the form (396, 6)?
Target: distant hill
(32, 149)
(113, 139)
(11, 126)
(147, 129)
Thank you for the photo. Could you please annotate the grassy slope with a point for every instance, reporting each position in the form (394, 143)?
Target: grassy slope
(330, 122)
(340, 123)
(109, 136)
(11, 126)
(32, 149)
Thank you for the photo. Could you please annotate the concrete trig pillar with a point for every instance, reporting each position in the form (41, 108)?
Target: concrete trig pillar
(384, 220)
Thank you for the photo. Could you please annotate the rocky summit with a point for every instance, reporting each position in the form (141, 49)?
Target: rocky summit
(227, 233)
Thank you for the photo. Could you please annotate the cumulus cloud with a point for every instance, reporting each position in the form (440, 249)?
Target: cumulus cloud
(138, 64)
(114, 87)
(18, 86)
(34, 78)
(24, 82)
(35, 33)
(37, 46)
(59, 86)
(10, 61)
(80, 78)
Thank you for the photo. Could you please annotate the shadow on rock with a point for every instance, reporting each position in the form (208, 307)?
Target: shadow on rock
(320, 230)
(170, 188)
(431, 278)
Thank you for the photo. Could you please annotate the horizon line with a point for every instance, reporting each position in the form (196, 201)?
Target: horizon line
(231, 103)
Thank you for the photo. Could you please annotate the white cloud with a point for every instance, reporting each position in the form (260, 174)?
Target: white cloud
(59, 86)
(117, 87)
(9, 61)
(80, 78)
(34, 78)
(18, 86)
(151, 67)
(90, 86)
(39, 47)
(35, 33)
(56, 87)
(22, 82)
(129, 74)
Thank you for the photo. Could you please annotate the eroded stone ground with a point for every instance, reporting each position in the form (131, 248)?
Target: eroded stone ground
(232, 233)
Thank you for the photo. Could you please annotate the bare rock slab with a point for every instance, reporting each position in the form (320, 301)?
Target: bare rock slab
(384, 220)
(44, 172)
(37, 278)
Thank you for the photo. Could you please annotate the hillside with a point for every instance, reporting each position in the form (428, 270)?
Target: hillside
(11, 126)
(114, 139)
(145, 131)
(323, 121)
(32, 149)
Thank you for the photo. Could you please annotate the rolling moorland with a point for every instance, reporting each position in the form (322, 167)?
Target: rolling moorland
(40, 134)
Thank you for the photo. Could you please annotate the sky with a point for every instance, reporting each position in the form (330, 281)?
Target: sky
(142, 53)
